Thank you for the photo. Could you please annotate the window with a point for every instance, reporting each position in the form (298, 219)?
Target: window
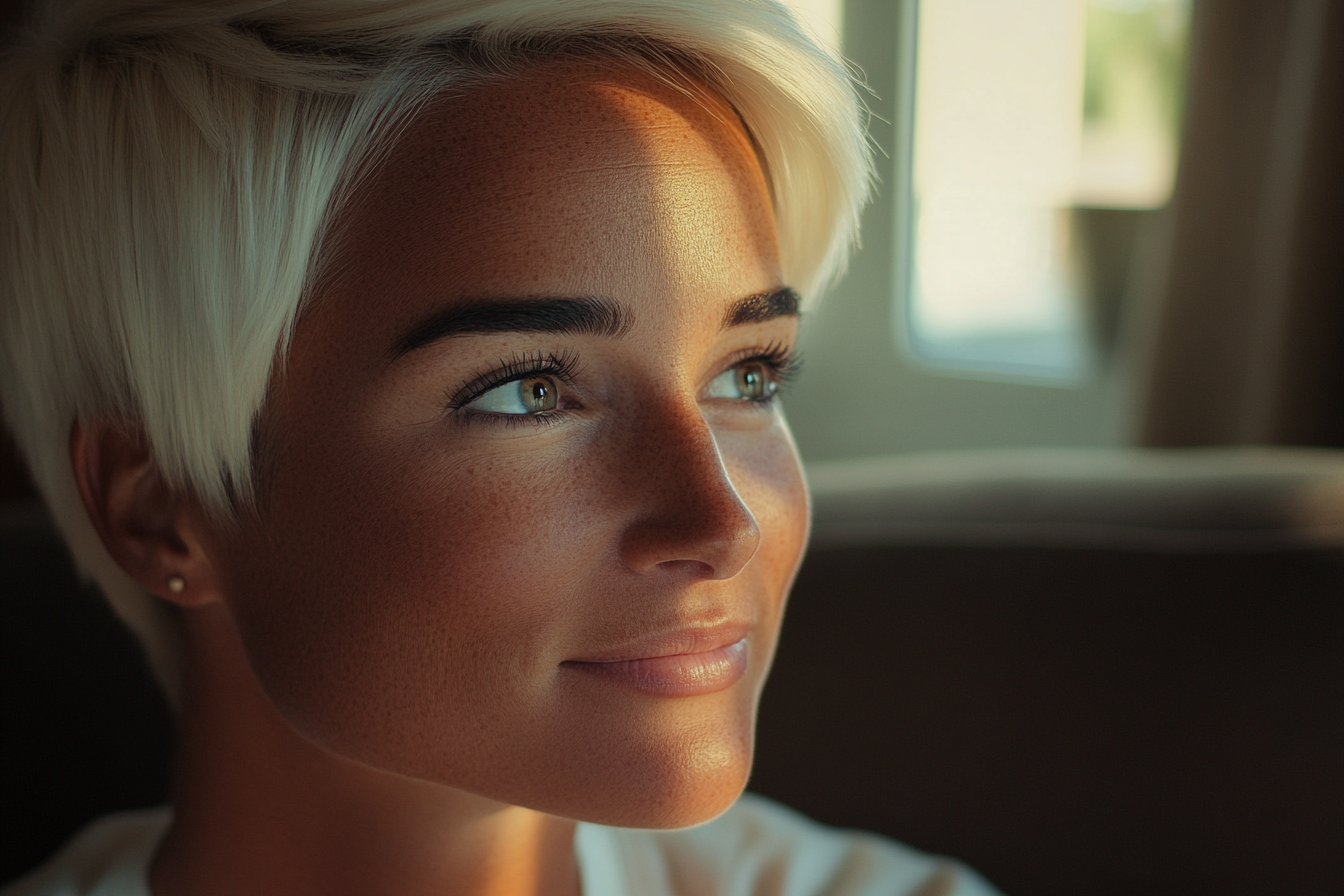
(1041, 131)
(1062, 367)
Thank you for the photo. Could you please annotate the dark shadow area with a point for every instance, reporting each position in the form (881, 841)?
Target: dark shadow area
(86, 729)
(15, 486)
(1072, 721)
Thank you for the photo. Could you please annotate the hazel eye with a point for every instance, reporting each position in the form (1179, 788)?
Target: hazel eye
(529, 395)
(749, 381)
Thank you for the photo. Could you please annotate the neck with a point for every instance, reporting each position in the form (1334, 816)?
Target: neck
(260, 809)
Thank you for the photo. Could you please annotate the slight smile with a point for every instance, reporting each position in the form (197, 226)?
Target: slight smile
(709, 661)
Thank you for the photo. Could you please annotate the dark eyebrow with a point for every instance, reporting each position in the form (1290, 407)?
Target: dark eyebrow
(762, 307)
(586, 314)
(596, 316)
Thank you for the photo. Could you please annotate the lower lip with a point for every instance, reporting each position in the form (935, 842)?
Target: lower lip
(679, 675)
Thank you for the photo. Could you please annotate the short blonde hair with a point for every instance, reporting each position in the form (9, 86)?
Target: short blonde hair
(168, 170)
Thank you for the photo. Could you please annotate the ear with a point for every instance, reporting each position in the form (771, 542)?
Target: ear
(153, 534)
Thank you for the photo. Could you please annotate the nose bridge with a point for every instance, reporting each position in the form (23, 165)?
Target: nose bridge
(687, 508)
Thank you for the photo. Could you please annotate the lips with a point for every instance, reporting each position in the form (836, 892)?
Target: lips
(685, 663)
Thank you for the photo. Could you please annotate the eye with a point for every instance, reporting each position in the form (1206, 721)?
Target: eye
(749, 381)
(528, 395)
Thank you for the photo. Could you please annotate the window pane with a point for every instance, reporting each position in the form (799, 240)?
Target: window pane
(1028, 116)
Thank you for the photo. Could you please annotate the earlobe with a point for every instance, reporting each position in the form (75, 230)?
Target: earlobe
(153, 533)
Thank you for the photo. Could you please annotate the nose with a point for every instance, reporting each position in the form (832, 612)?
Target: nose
(689, 519)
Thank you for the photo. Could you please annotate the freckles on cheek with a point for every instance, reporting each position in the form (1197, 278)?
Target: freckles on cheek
(440, 587)
(500, 534)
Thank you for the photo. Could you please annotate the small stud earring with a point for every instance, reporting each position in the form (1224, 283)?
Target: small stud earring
(177, 584)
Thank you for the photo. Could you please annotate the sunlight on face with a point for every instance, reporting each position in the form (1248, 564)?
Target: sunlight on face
(533, 509)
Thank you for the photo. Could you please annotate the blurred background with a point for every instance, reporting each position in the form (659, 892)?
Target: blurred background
(1074, 609)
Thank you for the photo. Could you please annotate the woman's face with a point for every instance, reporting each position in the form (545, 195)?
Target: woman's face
(531, 512)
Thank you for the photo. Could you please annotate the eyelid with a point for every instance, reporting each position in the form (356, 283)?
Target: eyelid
(784, 361)
(563, 365)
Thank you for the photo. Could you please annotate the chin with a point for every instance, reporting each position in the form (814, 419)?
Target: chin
(706, 804)
(680, 804)
(678, 785)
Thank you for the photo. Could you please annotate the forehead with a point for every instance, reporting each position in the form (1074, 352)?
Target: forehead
(575, 177)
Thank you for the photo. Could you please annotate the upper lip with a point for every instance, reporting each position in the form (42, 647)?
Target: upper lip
(685, 639)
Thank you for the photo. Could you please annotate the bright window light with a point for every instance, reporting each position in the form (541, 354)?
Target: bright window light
(1026, 115)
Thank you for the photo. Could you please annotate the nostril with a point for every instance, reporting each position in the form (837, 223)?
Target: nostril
(690, 569)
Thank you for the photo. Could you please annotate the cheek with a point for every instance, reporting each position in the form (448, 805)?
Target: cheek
(403, 584)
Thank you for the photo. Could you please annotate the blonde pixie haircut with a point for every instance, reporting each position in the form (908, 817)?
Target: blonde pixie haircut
(168, 170)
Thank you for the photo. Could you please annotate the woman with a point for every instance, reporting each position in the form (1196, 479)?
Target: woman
(405, 372)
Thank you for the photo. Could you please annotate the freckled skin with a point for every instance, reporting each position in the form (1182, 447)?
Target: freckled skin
(409, 592)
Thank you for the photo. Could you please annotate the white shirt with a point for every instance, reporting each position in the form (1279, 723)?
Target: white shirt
(756, 848)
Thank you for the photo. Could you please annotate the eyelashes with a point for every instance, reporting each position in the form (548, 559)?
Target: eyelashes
(783, 363)
(564, 366)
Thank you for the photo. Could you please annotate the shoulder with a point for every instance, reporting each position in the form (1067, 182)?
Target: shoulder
(107, 858)
(760, 848)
